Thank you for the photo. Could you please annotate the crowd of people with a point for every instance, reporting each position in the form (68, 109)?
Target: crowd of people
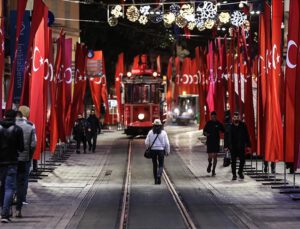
(17, 145)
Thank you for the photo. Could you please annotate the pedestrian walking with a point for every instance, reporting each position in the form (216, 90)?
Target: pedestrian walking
(239, 141)
(158, 139)
(212, 131)
(93, 131)
(25, 156)
(11, 142)
(79, 133)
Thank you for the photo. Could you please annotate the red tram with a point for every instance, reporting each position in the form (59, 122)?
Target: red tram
(142, 95)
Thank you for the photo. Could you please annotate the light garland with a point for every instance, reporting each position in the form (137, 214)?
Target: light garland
(117, 11)
(224, 17)
(133, 14)
(202, 15)
(238, 18)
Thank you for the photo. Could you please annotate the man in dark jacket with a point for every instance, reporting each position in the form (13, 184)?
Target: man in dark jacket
(93, 130)
(11, 141)
(79, 133)
(239, 140)
(212, 131)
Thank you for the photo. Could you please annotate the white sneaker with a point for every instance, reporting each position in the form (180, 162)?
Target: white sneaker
(25, 203)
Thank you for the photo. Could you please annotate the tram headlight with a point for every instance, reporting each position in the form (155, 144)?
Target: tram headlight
(129, 74)
(176, 111)
(155, 74)
(190, 111)
(141, 116)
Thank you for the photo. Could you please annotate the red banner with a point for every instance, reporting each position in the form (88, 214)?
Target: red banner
(297, 94)
(290, 81)
(2, 39)
(37, 16)
(20, 15)
(79, 83)
(274, 141)
(67, 84)
(118, 81)
(95, 85)
(38, 115)
(211, 89)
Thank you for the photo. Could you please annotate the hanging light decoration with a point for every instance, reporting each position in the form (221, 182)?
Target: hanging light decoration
(203, 15)
(238, 18)
(156, 16)
(180, 21)
(112, 21)
(117, 11)
(200, 24)
(191, 25)
(209, 23)
(224, 17)
(145, 10)
(143, 19)
(207, 11)
(187, 11)
(132, 13)
(175, 9)
(169, 18)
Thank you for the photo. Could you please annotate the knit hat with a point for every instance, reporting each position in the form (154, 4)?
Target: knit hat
(24, 110)
(157, 122)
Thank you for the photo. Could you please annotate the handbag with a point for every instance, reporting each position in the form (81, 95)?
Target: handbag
(148, 153)
(227, 158)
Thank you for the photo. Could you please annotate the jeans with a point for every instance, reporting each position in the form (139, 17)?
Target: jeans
(158, 155)
(22, 182)
(241, 156)
(8, 175)
(83, 140)
(92, 141)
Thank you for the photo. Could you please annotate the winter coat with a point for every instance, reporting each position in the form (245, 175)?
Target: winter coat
(212, 131)
(94, 124)
(239, 138)
(80, 129)
(161, 143)
(11, 142)
(29, 135)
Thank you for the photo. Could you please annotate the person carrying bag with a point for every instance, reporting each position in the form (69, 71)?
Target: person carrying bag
(158, 149)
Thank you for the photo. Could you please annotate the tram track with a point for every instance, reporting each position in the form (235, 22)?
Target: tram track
(125, 203)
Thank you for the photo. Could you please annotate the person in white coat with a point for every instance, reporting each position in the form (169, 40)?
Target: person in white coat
(160, 148)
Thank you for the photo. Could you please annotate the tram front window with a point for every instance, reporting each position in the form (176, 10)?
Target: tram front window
(141, 93)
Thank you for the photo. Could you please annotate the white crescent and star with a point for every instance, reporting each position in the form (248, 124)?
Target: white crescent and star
(288, 61)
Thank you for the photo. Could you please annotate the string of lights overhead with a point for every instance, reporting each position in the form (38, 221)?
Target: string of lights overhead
(193, 15)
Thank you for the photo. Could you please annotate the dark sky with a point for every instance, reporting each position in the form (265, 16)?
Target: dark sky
(133, 38)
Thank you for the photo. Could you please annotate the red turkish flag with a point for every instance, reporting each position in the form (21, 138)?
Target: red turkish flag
(296, 6)
(20, 15)
(185, 80)
(261, 87)
(37, 100)
(67, 84)
(219, 92)
(118, 84)
(136, 61)
(290, 81)
(59, 77)
(177, 80)
(79, 83)
(37, 16)
(274, 143)
(211, 89)
(2, 39)
(169, 84)
(96, 85)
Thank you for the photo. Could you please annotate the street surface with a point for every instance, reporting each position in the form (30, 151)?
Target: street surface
(87, 191)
